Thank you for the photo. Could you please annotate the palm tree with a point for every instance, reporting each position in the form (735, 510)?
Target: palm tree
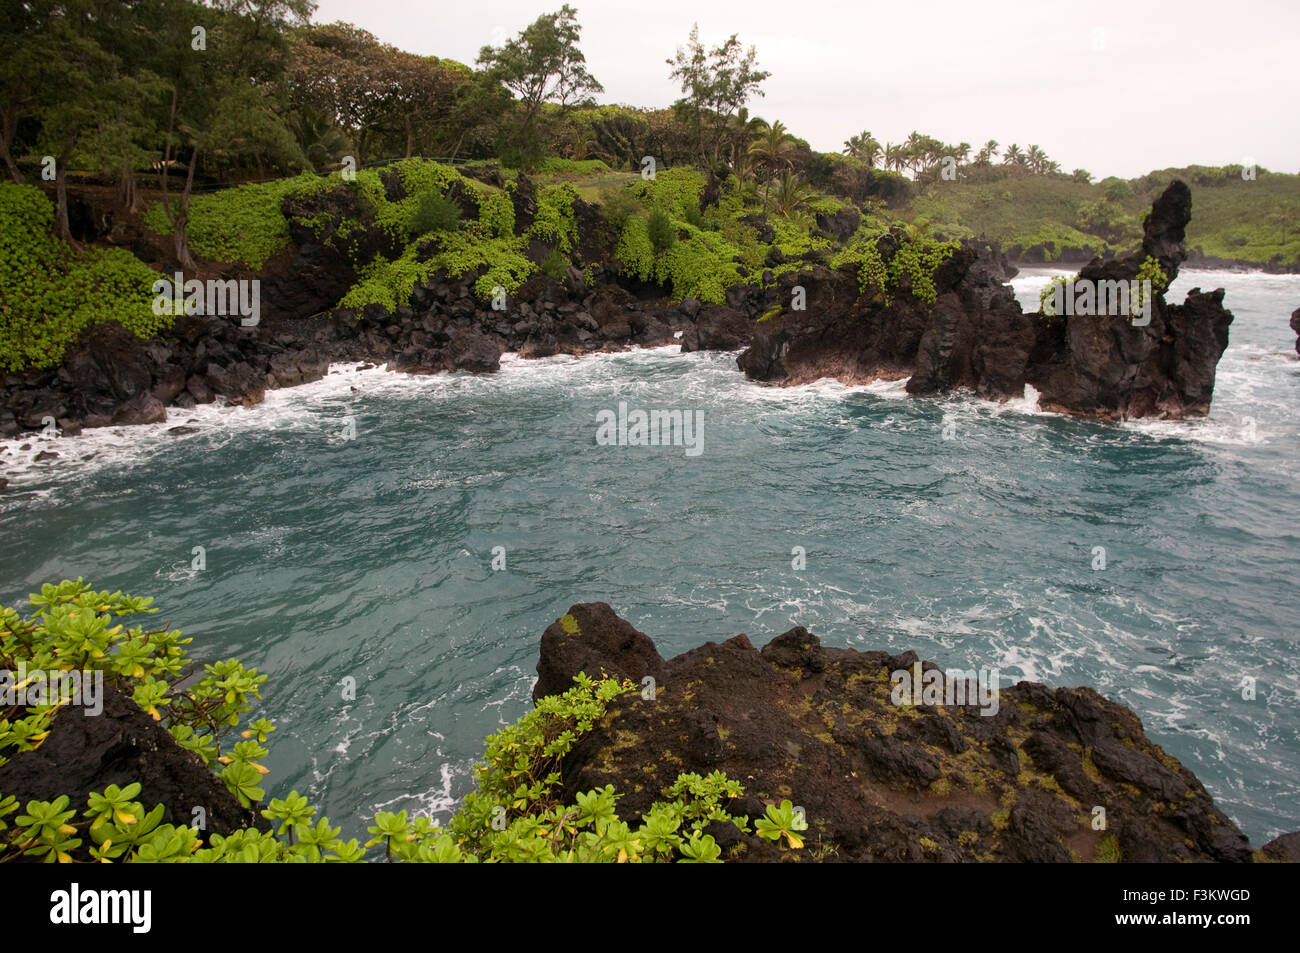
(1036, 159)
(792, 195)
(895, 157)
(743, 131)
(1014, 157)
(988, 153)
(772, 149)
(863, 146)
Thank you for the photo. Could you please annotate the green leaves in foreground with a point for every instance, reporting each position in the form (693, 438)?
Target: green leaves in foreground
(516, 813)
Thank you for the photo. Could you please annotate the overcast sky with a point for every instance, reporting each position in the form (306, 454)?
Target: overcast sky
(1117, 88)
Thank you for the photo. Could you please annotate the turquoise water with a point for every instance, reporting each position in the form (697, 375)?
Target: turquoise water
(371, 557)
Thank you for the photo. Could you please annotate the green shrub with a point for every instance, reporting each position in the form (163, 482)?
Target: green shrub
(50, 293)
(516, 813)
(662, 231)
(555, 264)
(243, 224)
(436, 213)
(555, 223)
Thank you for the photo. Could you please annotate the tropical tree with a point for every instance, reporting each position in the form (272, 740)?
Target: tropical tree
(863, 146)
(1013, 157)
(793, 195)
(744, 129)
(772, 148)
(895, 157)
(542, 64)
(988, 152)
(715, 84)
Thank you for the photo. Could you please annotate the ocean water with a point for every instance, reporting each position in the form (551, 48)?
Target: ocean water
(330, 556)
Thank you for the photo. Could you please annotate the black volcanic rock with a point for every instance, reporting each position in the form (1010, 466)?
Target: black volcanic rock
(974, 335)
(1295, 326)
(880, 781)
(121, 745)
(1109, 367)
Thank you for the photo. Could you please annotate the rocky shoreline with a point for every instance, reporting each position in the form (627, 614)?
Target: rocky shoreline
(974, 335)
(879, 781)
(1041, 775)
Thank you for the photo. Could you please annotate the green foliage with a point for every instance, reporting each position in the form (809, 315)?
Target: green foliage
(49, 292)
(782, 822)
(618, 203)
(436, 213)
(1108, 851)
(73, 628)
(554, 223)
(1046, 298)
(555, 264)
(388, 284)
(913, 264)
(662, 231)
(635, 251)
(243, 224)
(1151, 271)
(501, 260)
(496, 213)
(515, 814)
(673, 190)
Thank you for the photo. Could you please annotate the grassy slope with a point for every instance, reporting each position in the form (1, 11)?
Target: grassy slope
(1229, 220)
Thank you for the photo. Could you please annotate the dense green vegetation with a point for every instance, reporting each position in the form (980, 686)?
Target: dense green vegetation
(515, 813)
(50, 292)
(137, 97)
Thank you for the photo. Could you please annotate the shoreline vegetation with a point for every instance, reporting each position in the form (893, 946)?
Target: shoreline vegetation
(283, 183)
(338, 199)
(626, 757)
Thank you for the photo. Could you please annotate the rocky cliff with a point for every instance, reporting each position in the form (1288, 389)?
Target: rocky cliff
(975, 335)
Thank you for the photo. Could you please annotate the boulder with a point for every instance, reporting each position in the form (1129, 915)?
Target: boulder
(1011, 776)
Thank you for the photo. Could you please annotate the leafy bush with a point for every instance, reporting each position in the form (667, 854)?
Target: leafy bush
(554, 223)
(673, 190)
(555, 264)
(49, 293)
(662, 231)
(436, 213)
(243, 224)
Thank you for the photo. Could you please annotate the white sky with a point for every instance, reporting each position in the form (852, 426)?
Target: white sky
(1118, 87)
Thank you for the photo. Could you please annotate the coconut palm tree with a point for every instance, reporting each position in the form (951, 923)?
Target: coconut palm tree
(863, 146)
(1036, 159)
(895, 157)
(987, 153)
(772, 148)
(1014, 157)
